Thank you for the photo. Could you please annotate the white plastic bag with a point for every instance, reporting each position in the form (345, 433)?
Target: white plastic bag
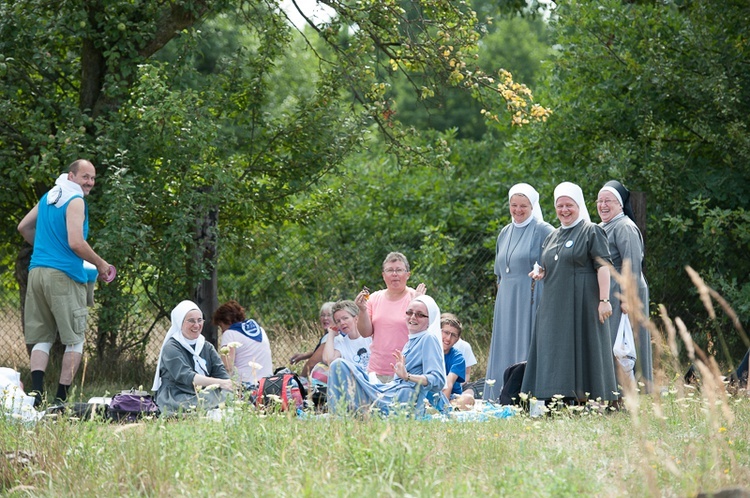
(624, 348)
(14, 402)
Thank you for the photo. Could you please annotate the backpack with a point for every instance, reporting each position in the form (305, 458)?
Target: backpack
(284, 385)
(132, 405)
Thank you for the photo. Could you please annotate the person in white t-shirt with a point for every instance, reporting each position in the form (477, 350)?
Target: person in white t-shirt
(245, 349)
(469, 357)
(348, 344)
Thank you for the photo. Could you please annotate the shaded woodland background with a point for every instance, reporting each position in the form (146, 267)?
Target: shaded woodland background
(240, 158)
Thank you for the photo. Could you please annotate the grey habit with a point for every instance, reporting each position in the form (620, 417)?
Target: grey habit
(177, 392)
(516, 251)
(626, 242)
(571, 352)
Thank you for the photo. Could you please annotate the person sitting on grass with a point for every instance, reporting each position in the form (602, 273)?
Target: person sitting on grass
(418, 368)
(346, 342)
(248, 351)
(455, 366)
(316, 355)
(187, 365)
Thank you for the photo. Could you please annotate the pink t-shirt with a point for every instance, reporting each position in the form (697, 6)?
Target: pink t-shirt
(389, 332)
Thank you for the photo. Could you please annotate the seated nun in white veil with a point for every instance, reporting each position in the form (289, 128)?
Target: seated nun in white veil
(187, 362)
(419, 368)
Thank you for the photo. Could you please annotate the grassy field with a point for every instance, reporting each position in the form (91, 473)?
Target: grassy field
(679, 441)
(677, 444)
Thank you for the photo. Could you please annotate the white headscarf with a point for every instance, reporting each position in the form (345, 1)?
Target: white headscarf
(573, 191)
(434, 327)
(63, 191)
(533, 196)
(434, 312)
(175, 330)
(613, 191)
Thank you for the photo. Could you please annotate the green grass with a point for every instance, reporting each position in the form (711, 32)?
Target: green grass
(677, 442)
(677, 447)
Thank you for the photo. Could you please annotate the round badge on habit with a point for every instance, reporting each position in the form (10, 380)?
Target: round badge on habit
(569, 243)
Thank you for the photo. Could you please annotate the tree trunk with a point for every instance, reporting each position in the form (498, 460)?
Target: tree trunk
(207, 292)
(207, 299)
(22, 277)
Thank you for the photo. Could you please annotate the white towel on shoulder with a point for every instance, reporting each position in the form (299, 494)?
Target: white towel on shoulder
(63, 191)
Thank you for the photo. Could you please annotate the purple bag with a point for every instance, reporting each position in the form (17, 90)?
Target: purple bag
(129, 406)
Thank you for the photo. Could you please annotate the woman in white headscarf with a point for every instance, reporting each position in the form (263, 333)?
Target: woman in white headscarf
(187, 361)
(518, 247)
(571, 353)
(418, 369)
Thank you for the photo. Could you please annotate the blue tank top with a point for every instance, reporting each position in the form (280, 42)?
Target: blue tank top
(51, 248)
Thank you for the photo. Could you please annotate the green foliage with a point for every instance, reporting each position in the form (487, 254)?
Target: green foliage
(516, 44)
(445, 218)
(657, 95)
(205, 119)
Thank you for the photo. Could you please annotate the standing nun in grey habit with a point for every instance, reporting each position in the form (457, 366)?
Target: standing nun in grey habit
(518, 247)
(570, 354)
(626, 243)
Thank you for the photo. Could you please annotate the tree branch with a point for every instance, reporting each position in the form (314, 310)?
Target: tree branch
(173, 20)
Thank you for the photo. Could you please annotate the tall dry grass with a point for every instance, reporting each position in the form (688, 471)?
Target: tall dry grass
(711, 389)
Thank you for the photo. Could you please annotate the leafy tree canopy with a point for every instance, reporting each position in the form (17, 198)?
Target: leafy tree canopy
(194, 129)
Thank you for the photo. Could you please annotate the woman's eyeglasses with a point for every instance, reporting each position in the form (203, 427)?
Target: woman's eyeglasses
(394, 271)
(195, 321)
(418, 314)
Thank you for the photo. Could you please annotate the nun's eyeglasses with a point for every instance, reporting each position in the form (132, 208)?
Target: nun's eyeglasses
(418, 314)
(195, 321)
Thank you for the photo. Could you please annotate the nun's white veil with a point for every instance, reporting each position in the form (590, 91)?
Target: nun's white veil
(573, 191)
(532, 195)
(175, 330)
(434, 327)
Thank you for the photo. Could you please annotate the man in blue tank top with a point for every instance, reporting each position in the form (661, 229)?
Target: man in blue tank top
(58, 227)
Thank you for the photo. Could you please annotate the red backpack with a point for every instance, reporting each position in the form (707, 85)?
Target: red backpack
(286, 386)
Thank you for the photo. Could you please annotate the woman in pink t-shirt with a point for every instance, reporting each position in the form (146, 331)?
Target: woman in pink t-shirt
(384, 317)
